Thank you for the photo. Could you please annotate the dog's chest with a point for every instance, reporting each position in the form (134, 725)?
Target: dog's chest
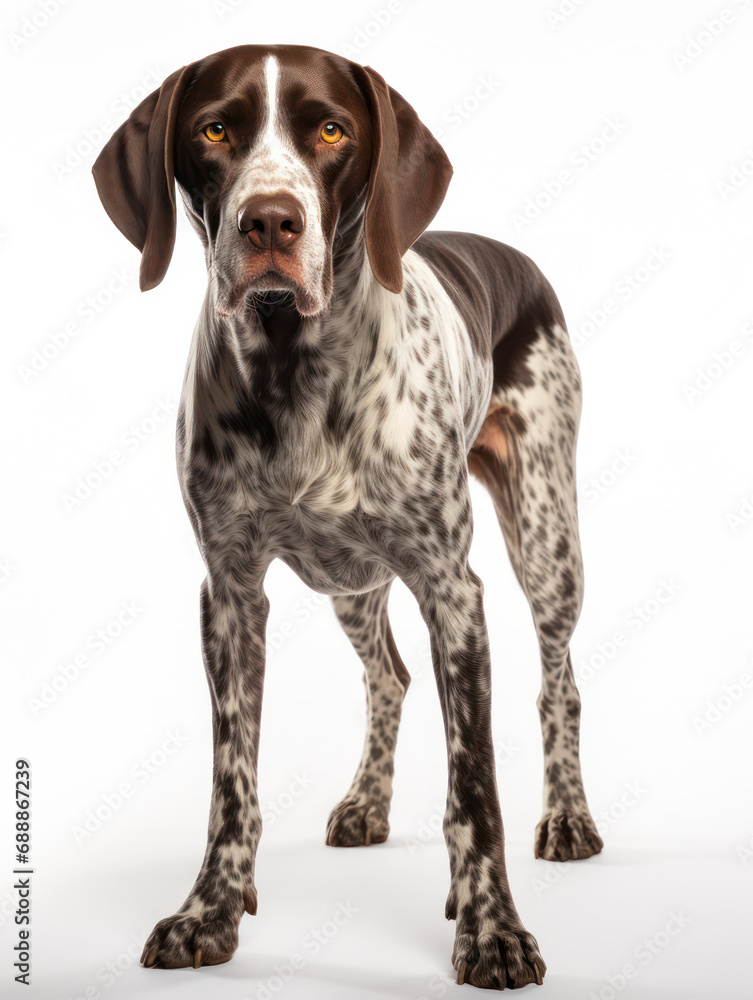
(375, 424)
(373, 421)
(349, 442)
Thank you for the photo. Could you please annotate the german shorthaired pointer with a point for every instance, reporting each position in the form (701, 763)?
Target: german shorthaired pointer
(345, 375)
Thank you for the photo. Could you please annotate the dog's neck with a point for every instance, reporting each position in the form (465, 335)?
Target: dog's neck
(279, 318)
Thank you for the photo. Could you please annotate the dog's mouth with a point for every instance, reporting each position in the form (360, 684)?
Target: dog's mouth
(264, 286)
(266, 303)
(280, 286)
(277, 312)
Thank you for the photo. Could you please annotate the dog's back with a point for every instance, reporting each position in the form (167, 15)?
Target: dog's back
(503, 297)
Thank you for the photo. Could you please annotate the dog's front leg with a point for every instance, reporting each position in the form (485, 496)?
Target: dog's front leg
(492, 948)
(205, 929)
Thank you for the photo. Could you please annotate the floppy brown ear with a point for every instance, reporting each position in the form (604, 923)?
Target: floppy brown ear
(135, 177)
(410, 173)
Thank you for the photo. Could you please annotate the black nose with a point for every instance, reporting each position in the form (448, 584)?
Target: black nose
(271, 222)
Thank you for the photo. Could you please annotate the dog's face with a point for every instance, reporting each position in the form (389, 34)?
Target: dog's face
(272, 150)
(276, 150)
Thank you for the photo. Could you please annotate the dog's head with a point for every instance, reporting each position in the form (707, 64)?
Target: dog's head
(275, 150)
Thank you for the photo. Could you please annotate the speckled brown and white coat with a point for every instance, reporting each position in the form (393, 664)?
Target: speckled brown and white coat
(345, 374)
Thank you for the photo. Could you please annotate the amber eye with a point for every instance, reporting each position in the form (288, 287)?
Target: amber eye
(331, 132)
(215, 132)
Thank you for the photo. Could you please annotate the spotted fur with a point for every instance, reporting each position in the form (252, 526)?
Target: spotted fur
(335, 398)
(533, 489)
(362, 816)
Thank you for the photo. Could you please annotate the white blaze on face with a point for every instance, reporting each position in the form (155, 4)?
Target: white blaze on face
(273, 167)
(272, 76)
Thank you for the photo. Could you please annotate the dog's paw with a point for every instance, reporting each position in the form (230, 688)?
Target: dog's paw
(563, 835)
(498, 960)
(358, 824)
(184, 941)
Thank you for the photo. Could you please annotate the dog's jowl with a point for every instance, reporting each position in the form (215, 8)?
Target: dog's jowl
(346, 372)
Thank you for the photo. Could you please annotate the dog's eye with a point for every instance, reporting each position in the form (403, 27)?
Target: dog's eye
(331, 132)
(215, 132)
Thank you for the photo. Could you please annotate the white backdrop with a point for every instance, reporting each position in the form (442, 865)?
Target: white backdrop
(612, 142)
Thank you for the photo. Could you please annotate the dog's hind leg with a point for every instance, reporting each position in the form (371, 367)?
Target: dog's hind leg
(362, 816)
(525, 456)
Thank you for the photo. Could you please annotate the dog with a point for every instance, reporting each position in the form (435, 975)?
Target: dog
(347, 372)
